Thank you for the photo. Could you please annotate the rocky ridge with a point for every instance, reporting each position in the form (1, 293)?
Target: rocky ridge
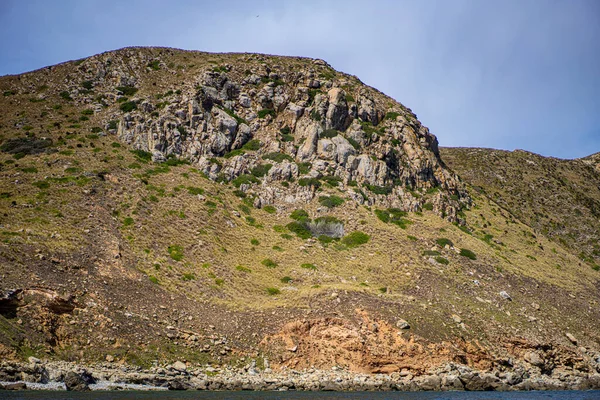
(297, 118)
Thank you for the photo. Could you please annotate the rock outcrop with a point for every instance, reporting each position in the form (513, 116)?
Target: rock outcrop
(306, 121)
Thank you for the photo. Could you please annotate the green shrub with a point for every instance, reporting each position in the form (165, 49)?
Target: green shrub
(331, 201)
(254, 242)
(431, 253)
(332, 180)
(252, 145)
(309, 266)
(286, 279)
(237, 118)
(354, 143)
(299, 215)
(65, 95)
(87, 85)
(128, 221)
(468, 253)
(241, 268)
(195, 190)
(309, 182)
(271, 291)
(442, 260)
(355, 239)
(176, 252)
(154, 65)
(113, 124)
(153, 279)
(244, 179)
(300, 229)
(267, 262)
(270, 209)
(278, 157)
(380, 189)
(128, 106)
(324, 239)
(188, 277)
(87, 111)
(285, 130)
(266, 111)
(329, 133)
(392, 115)
(314, 114)
(261, 170)
(442, 242)
(141, 155)
(383, 215)
(41, 184)
(304, 168)
(411, 237)
(127, 90)
(428, 206)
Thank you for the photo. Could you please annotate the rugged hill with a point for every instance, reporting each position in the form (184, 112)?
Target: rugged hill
(557, 198)
(159, 204)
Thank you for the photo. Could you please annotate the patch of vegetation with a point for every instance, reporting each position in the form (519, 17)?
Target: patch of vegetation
(188, 277)
(442, 260)
(310, 266)
(195, 190)
(267, 262)
(237, 118)
(176, 252)
(270, 209)
(300, 229)
(299, 215)
(127, 90)
(385, 190)
(261, 170)
(271, 291)
(355, 239)
(304, 168)
(468, 253)
(278, 157)
(329, 133)
(244, 179)
(26, 145)
(128, 106)
(394, 216)
(331, 201)
(428, 206)
(392, 115)
(309, 182)
(331, 180)
(254, 242)
(266, 111)
(442, 242)
(154, 65)
(141, 155)
(65, 95)
(241, 268)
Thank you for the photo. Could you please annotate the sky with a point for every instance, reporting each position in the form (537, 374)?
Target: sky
(510, 74)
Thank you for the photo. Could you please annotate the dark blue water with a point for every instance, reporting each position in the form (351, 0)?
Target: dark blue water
(562, 395)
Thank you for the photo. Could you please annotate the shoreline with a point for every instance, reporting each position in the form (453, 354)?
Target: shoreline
(59, 375)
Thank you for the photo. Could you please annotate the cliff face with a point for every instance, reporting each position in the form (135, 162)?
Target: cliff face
(297, 119)
(159, 205)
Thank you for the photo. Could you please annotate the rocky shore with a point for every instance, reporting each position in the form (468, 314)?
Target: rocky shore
(40, 375)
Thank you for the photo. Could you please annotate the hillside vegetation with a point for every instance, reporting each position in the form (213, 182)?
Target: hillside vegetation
(159, 204)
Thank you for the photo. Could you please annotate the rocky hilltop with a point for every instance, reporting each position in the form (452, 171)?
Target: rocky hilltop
(245, 216)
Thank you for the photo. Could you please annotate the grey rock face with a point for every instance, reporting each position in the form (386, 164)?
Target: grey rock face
(325, 120)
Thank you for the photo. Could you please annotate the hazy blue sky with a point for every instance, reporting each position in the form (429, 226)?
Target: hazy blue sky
(504, 74)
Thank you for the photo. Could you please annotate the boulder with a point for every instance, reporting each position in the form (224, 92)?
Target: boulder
(75, 382)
